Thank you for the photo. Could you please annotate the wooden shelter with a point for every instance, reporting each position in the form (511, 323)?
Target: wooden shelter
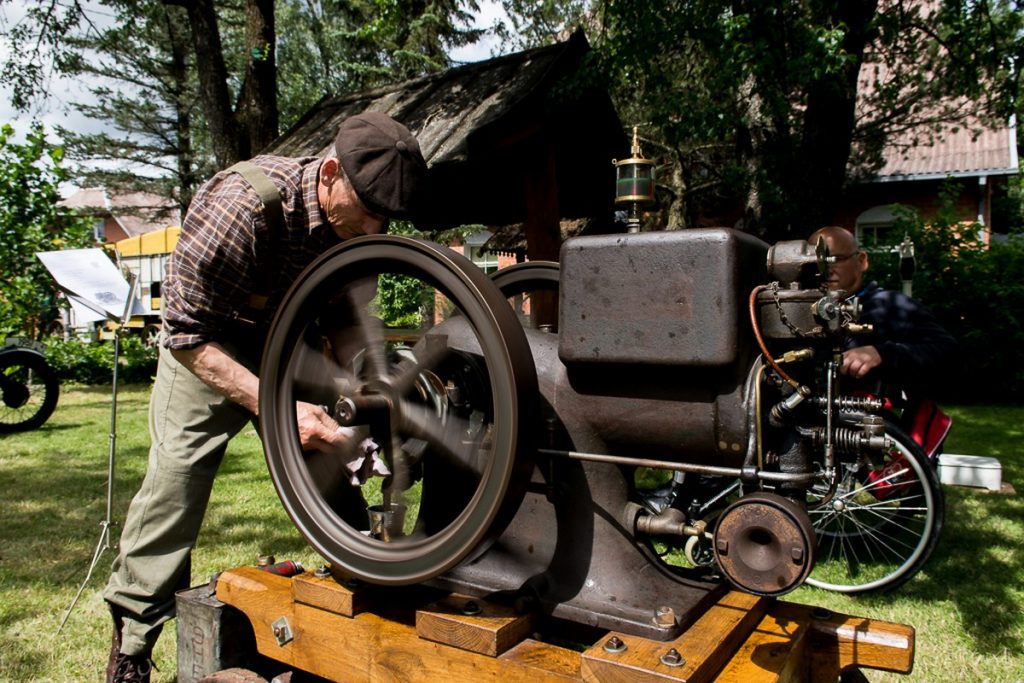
(522, 138)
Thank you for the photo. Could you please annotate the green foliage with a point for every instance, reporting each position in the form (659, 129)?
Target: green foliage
(532, 23)
(754, 106)
(159, 96)
(30, 222)
(335, 48)
(405, 302)
(93, 362)
(400, 301)
(976, 290)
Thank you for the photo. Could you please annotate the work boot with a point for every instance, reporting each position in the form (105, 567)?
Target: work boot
(131, 668)
(122, 668)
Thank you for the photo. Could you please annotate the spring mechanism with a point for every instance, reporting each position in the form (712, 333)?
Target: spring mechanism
(850, 442)
(846, 441)
(848, 404)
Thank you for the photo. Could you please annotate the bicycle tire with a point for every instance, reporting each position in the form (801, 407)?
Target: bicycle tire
(873, 539)
(30, 393)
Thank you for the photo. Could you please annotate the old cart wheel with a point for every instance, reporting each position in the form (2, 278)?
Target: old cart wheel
(444, 396)
(29, 390)
(881, 527)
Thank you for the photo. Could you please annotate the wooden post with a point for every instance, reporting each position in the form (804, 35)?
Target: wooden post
(543, 225)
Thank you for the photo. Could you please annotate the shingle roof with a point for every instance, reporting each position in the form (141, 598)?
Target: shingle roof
(957, 151)
(963, 146)
(442, 110)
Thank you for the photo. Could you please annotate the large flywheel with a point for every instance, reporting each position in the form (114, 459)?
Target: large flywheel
(411, 348)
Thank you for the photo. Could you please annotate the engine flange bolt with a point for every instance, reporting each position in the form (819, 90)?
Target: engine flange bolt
(322, 572)
(673, 658)
(471, 608)
(664, 617)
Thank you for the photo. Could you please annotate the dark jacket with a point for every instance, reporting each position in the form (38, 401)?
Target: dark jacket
(918, 354)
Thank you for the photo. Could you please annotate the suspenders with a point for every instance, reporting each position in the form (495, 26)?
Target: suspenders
(271, 198)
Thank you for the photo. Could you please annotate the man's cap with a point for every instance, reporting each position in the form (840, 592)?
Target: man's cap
(383, 162)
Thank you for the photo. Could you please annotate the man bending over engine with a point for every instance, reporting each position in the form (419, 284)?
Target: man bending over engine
(248, 234)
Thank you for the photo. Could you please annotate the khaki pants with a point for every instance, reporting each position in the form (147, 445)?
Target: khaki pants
(190, 426)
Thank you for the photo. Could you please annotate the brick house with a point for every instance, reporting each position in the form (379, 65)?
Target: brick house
(120, 216)
(977, 163)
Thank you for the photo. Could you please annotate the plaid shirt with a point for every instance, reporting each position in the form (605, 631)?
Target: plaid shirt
(223, 253)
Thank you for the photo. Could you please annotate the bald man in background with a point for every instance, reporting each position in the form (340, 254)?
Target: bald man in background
(907, 350)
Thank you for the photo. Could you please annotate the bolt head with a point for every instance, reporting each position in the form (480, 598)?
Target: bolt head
(665, 617)
(673, 658)
(615, 645)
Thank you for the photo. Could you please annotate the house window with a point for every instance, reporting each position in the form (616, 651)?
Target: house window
(875, 235)
(875, 229)
(486, 261)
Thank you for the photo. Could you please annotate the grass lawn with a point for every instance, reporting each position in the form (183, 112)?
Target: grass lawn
(967, 606)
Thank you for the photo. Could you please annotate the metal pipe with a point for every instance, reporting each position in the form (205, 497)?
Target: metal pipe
(712, 470)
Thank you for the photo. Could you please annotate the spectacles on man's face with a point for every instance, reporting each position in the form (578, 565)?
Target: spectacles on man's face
(836, 258)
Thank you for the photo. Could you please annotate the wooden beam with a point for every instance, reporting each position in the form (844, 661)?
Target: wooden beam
(303, 623)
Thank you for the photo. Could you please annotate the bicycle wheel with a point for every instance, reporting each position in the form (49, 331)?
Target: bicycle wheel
(882, 525)
(30, 389)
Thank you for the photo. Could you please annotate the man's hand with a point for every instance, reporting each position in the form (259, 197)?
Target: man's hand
(860, 361)
(317, 430)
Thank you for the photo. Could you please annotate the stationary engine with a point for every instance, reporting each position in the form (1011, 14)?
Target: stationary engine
(517, 418)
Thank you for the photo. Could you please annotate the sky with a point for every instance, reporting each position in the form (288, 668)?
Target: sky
(57, 109)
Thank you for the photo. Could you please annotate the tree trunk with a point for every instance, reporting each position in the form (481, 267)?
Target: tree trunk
(213, 80)
(185, 157)
(828, 125)
(257, 101)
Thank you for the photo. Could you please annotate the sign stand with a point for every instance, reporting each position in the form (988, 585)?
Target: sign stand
(104, 542)
(96, 286)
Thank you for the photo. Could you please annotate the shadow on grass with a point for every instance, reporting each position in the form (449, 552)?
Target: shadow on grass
(54, 484)
(245, 511)
(978, 564)
(16, 657)
(980, 556)
(978, 567)
(54, 507)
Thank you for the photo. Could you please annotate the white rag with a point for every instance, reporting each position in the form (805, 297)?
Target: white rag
(365, 461)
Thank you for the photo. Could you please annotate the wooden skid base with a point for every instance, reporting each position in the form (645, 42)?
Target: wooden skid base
(319, 626)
